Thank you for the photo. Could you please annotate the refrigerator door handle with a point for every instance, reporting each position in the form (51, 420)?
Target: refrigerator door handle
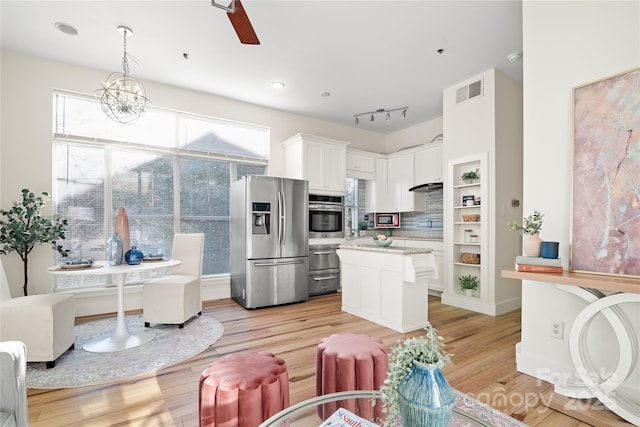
(275, 264)
(284, 218)
(324, 252)
(317, 279)
(279, 213)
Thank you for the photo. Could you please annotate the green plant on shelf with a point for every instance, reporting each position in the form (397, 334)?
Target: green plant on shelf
(471, 176)
(363, 225)
(468, 282)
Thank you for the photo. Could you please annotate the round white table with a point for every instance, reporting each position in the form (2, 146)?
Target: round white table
(121, 338)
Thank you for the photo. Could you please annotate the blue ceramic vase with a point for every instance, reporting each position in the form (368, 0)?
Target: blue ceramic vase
(426, 398)
(133, 256)
(115, 249)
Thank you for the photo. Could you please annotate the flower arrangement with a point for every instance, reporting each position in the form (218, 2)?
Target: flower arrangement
(428, 349)
(380, 237)
(531, 224)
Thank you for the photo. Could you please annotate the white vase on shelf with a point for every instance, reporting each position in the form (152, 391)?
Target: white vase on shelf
(531, 245)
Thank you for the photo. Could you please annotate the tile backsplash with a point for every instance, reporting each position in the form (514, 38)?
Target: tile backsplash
(427, 224)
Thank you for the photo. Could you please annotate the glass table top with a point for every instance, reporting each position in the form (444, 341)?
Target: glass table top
(314, 411)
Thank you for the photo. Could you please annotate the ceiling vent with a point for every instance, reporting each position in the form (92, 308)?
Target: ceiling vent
(470, 91)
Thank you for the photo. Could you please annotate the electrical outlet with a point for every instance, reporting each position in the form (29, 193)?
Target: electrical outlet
(556, 329)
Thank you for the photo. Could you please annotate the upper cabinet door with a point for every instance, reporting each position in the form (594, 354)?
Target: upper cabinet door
(360, 165)
(314, 164)
(399, 181)
(334, 165)
(428, 164)
(321, 161)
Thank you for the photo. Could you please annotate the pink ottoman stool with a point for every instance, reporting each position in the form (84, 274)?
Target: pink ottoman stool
(243, 390)
(346, 362)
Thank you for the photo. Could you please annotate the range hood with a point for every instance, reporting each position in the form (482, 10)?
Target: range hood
(423, 188)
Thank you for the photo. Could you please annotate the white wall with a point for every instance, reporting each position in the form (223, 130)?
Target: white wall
(566, 44)
(27, 84)
(492, 124)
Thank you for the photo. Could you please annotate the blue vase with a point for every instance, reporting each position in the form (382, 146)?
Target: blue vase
(133, 256)
(426, 398)
(115, 249)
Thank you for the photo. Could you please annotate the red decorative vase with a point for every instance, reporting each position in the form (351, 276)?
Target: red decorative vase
(122, 228)
(531, 245)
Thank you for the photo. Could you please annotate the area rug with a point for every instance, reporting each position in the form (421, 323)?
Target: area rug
(77, 367)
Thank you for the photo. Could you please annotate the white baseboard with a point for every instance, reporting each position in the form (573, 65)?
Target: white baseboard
(93, 301)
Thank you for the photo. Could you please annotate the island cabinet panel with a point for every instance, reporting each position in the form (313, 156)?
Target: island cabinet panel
(387, 286)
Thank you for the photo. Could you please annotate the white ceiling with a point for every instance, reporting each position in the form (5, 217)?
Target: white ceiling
(366, 54)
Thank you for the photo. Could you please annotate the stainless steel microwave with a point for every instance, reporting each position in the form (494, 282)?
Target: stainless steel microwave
(326, 216)
(387, 220)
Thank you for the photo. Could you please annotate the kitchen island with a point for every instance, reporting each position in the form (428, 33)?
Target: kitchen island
(386, 285)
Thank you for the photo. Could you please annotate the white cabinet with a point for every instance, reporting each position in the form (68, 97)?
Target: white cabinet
(321, 161)
(376, 194)
(436, 282)
(361, 165)
(428, 164)
(399, 180)
(386, 287)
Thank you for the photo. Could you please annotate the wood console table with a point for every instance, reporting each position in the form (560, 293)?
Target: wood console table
(589, 287)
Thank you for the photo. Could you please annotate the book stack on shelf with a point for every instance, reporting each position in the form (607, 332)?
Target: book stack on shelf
(534, 264)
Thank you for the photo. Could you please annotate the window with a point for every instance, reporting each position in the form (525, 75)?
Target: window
(171, 174)
(354, 202)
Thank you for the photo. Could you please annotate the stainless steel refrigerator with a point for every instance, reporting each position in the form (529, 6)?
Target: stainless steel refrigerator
(269, 238)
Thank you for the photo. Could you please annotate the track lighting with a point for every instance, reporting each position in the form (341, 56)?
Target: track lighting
(387, 113)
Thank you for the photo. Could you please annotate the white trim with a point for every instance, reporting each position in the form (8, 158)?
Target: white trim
(92, 301)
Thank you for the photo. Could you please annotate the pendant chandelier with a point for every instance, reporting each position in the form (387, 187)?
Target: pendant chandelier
(123, 98)
(387, 114)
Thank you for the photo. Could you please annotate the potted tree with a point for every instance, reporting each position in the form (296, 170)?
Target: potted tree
(23, 226)
(468, 284)
(415, 389)
(362, 227)
(471, 176)
(531, 226)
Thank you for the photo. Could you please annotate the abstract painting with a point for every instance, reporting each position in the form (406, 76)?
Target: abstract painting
(605, 217)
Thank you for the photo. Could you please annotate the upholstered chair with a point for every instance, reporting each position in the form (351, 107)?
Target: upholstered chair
(13, 390)
(176, 298)
(43, 322)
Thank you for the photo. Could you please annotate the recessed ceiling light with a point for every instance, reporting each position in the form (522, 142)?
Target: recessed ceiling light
(66, 28)
(277, 85)
(325, 94)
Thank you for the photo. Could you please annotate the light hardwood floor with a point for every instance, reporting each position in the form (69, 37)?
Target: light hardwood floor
(483, 366)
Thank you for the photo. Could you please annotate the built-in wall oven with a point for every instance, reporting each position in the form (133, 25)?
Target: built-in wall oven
(324, 269)
(326, 216)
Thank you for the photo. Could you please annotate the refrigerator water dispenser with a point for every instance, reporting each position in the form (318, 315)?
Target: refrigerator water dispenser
(261, 218)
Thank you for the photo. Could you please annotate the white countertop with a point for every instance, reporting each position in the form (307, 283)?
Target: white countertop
(372, 247)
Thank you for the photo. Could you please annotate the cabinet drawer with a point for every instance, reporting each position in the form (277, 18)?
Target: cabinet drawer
(324, 281)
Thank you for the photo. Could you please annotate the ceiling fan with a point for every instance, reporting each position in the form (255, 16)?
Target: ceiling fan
(239, 20)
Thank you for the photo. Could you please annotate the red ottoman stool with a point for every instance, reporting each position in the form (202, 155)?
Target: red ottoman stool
(243, 390)
(346, 362)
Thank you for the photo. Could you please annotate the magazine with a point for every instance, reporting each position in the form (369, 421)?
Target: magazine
(343, 417)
